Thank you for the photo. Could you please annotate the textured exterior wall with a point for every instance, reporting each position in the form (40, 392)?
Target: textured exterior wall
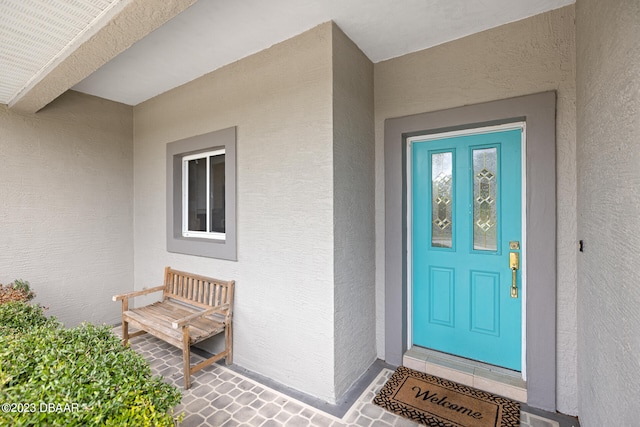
(608, 111)
(66, 217)
(524, 57)
(354, 224)
(281, 102)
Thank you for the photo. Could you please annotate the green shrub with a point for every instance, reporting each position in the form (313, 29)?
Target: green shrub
(81, 376)
(18, 317)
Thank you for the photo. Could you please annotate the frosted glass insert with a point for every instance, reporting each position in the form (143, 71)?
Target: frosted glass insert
(441, 200)
(485, 194)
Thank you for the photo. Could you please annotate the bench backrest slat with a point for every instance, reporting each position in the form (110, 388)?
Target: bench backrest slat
(197, 290)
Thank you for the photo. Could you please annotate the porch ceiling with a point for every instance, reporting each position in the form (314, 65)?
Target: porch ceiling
(132, 50)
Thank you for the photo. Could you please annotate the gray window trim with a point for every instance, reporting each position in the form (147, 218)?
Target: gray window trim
(222, 249)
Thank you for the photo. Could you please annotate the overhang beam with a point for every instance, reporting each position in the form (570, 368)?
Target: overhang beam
(136, 19)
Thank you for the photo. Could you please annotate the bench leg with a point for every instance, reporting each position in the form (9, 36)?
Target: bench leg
(125, 325)
(125, 332)
(186, 358)
(228, 337)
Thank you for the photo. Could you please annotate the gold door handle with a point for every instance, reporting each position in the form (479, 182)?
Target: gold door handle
(514, 264)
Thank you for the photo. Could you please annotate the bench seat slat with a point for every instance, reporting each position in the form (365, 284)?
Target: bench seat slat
(133, 321)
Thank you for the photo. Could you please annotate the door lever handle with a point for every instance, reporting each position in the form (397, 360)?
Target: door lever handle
(514, 264)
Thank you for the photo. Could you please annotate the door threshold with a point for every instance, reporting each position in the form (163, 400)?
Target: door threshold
(482, 376)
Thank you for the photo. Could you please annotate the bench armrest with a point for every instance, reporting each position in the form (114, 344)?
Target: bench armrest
(137, 293)
(179, 323)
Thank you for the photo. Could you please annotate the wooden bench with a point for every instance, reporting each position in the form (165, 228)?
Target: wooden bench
(193, 308)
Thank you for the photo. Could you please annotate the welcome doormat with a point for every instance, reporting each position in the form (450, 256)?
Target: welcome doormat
(437, 402)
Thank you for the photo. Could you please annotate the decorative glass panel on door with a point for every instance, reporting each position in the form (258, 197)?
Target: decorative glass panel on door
(442, 200)
(485, 198)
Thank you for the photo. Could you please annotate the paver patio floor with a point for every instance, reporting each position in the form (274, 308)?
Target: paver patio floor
(222, 397)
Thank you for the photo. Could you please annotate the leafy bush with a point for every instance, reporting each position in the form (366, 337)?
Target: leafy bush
(18, 317)
(81, 376)
(19, 290)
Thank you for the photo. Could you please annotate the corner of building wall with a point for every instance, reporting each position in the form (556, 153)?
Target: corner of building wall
(354, 216)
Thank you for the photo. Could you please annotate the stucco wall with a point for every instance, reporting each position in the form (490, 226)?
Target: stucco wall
(280, 100)
(66, 211)
(608, 111)
(354, 228)
(524, 57)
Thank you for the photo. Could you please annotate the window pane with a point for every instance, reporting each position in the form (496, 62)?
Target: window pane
(441, 200)
(197, 195)
(217, 193)
(485, 180)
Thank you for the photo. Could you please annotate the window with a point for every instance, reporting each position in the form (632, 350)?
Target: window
(201, 195)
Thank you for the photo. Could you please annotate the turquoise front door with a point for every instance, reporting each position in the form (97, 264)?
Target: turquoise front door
(466, 219)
